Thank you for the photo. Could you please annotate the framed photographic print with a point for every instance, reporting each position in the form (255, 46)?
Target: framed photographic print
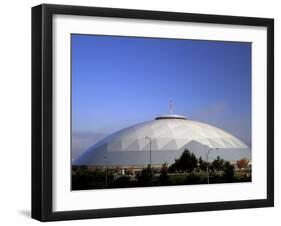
(145, 112)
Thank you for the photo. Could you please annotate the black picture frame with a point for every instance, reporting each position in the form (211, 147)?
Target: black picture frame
(42, 112)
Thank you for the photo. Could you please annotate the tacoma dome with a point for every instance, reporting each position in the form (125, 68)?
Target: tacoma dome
(162, 141)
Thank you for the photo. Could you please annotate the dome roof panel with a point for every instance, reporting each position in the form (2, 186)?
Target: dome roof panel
(134, 146)
(171, 145)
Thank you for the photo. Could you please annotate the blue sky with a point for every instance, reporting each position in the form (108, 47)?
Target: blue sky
(120, 81)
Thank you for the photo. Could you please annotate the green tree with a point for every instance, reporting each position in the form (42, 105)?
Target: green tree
(187, 161)
(145, 177)
(174, 167)
(164, 178)
(202, 164)
(228, 172)
(192, 178)
(217, 164)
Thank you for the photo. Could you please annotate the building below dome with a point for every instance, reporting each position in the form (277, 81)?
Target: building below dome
(162, 141)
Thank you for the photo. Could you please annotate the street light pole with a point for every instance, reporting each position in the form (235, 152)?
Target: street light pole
(207, 159)
(149, 150)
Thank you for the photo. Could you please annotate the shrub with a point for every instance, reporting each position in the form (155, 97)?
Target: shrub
(193, 178)
(83, 178)
(121, 182)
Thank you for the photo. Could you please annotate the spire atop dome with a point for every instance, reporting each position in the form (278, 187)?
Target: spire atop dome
(171, 107)
(170, 115)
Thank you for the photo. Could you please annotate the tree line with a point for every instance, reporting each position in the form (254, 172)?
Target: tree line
(188, 169)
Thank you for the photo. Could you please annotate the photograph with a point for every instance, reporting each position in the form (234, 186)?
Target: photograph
(149, 111)
(143, 112)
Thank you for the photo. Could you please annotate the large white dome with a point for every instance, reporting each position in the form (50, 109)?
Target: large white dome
(169, 135)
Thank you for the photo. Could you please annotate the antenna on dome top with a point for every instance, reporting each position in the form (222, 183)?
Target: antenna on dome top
(171, 106)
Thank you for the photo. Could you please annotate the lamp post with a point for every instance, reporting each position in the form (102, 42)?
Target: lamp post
(149, 150)
(207, 159)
